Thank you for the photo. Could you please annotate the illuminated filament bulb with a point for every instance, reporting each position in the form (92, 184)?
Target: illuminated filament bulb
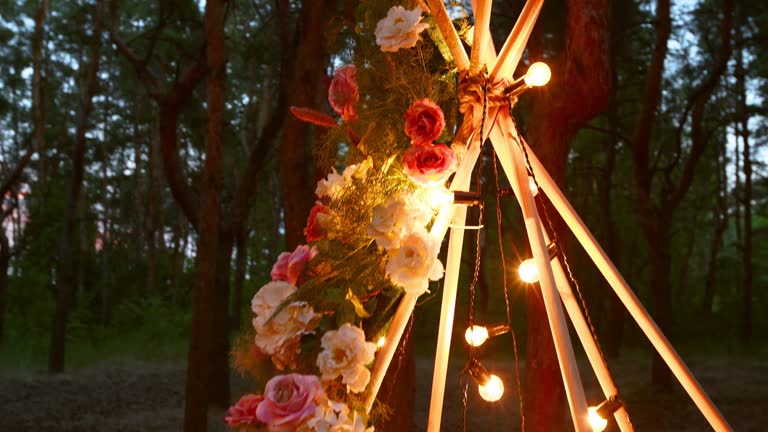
(490, 386)
(538, 75)
(493, 390)
(598, 423)
(380, 342)
(598, 416)
(528, 271)
(476, 335)
(533, 186)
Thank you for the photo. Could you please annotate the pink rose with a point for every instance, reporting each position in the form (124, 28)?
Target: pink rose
(424, 122)
(288, 399)
(343, 93)
(429, 165)
(314, 230)
(289, 265)
(243, 413)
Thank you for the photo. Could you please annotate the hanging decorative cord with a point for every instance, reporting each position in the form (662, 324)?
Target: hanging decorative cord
(478, 251)
(521, 142)
(506, 290)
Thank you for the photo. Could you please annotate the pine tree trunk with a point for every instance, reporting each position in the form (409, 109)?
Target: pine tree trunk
(203, 364)
(5, 258)
(721, 218)
(66, 276)
(661, 267)
(581, 92)
(241, 264)
(746, 198)
(38, 102)
(310, 60)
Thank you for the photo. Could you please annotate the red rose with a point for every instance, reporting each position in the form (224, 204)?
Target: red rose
(243, 413)
(429, 165)
(314, 230)
(343, 93)
(424, 122)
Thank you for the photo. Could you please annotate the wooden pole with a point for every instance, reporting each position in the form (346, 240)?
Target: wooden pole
(482, 34)
(585, 335)
(392, 339)
(447, 312)
(449, 34)
(513, 48)
(512, 164)
(628, 297)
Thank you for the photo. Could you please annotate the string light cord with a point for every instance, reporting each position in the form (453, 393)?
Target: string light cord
(506, 290)
(481, 211)
(523, 144)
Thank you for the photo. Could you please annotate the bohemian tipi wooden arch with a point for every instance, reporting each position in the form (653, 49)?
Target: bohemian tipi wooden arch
(555, 286)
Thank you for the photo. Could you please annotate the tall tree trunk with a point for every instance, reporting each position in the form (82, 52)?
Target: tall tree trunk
(746, 198)
(152, 223)
(38, 102)
(614, 330)
(65, 283)
(5, 258)
(294, 173)
(200, 365)
(661, 283)
(580, 90)
(219, 387)
(720, 215)
(241, 263)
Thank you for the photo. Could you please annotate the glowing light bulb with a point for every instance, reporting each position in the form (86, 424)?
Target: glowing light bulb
(538, 75)
(533, 186)
(598, 423)
(476, 335)
(380, 342)
(438, 197)
(492, 390)
(528, 271)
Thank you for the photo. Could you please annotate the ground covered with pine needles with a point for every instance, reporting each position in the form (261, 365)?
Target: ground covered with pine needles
(150, 397)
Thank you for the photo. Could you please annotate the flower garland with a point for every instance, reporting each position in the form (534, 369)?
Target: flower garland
(367, 234)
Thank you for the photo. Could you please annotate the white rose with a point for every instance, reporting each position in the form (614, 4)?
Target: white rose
(396, 217)
(330, 186)
(332, 416)
(335, 182)
(279, 335)
(345, 352)
(415, 262)
(399, 29)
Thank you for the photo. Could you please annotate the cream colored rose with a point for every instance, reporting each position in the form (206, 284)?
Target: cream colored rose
(345, 352)
(335, 182)
(332, 416)
(399, 29)
(330, 186)
(278, 335)
(396, 217)
(415, 262)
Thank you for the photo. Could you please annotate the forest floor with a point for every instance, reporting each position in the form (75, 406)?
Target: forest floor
(150, 398)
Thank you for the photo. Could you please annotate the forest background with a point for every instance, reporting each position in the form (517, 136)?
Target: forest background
(151, 174)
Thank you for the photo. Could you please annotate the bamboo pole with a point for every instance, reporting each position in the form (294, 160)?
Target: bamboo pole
(513, 48)
(581, 326)
(447, 312)
(482, 34)
(627, 296)
(589, 344)
(392, 339)
(512, 165)
(449, 34)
